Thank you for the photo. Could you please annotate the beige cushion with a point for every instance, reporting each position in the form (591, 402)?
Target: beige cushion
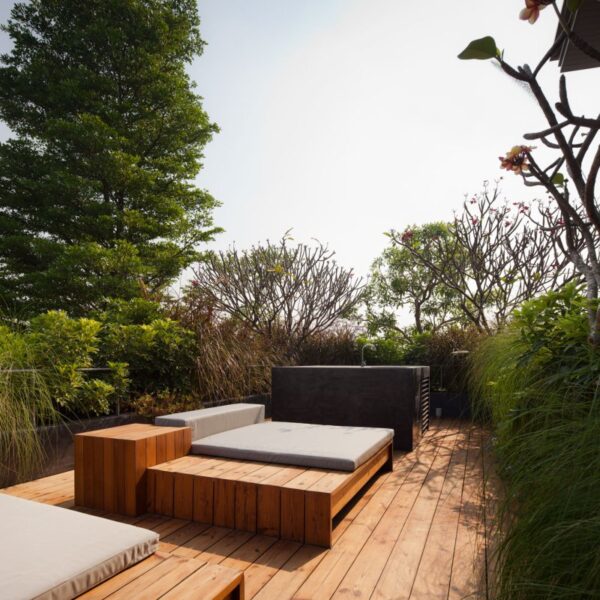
(208, 421)
(321, 446)
(53, 553)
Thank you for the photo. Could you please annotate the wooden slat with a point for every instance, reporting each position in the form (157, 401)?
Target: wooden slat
(79, 457)
(183, 491)
(163, 492)
(212, 582)
(201, 542)
(158, 581)
(224, 547)
(224, 489)
(293, 504)
(246, 506)
(317, 518)
(435, 567)
(258, 575)
(249, 552)
(184, 534)
(109, 492)
(292, 575)
(268, 518)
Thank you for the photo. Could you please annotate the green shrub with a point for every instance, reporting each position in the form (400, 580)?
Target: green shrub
(389, 350)
(62, 347)
(435, 349)
(60, 350)
(161, 355)
(538, 383)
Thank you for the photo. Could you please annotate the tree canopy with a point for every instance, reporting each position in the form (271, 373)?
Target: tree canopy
(491, 260)
(398, 281)
(284, 292)
(97, 198)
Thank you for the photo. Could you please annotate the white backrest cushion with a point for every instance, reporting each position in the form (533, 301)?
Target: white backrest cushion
(208, 421)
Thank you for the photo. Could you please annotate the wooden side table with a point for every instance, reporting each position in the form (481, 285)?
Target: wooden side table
(110, 464)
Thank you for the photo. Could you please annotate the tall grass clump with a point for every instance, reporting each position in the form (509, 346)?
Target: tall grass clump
(25, 402)
(537, 382)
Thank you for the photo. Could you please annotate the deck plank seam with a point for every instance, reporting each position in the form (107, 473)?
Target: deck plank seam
(457, 442)
(441, 440)
(463, 463)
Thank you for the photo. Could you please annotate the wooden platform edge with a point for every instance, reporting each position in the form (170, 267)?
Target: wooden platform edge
(296, 513)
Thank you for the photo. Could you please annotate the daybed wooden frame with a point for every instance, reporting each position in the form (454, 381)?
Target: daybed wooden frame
(293, 503)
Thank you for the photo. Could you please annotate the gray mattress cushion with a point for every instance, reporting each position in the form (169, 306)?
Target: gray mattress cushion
(208, 421)
(321, 446)
(53, 553)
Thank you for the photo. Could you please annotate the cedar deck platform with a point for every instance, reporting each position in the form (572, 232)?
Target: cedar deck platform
(292, 503)
(415, 533)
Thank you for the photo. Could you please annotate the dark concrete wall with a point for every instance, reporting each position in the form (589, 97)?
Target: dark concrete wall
(355, 396)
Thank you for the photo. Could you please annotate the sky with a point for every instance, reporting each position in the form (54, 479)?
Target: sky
(343, 119)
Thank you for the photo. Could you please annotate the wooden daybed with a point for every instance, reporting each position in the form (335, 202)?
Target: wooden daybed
(289, 502)
(281, 479)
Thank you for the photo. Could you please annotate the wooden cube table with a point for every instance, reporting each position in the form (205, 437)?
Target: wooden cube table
(110, 464)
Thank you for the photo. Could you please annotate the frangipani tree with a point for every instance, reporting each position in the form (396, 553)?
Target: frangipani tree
(490, 260)
(278, 290)
(572, 219)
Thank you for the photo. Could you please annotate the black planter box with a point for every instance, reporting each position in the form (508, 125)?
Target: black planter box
(392, 397)
(455, 405)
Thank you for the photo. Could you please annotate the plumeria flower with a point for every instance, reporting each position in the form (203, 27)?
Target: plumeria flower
(531, 12)
(516, 159)
(407, 235)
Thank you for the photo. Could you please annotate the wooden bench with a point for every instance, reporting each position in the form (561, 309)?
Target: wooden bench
(293, 503)
(171, 578)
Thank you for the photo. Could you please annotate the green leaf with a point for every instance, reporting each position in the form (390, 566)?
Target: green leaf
(558, 179)
(481, 49)
(573, 5)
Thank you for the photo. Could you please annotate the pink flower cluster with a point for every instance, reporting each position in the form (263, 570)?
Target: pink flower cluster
(532, 9)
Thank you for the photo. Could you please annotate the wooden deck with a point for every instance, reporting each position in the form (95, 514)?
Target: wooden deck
(416, 533)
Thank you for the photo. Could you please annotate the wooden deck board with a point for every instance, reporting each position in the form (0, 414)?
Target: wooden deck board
(417, 532)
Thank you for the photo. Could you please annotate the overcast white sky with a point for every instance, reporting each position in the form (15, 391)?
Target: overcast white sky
(342, 119)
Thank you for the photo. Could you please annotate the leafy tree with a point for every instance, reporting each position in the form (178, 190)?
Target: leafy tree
(398, 280)
(279, 291)
(573, 218)
(96, 199)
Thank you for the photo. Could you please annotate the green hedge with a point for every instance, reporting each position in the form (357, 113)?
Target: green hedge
(156, 357)
(537, 382)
